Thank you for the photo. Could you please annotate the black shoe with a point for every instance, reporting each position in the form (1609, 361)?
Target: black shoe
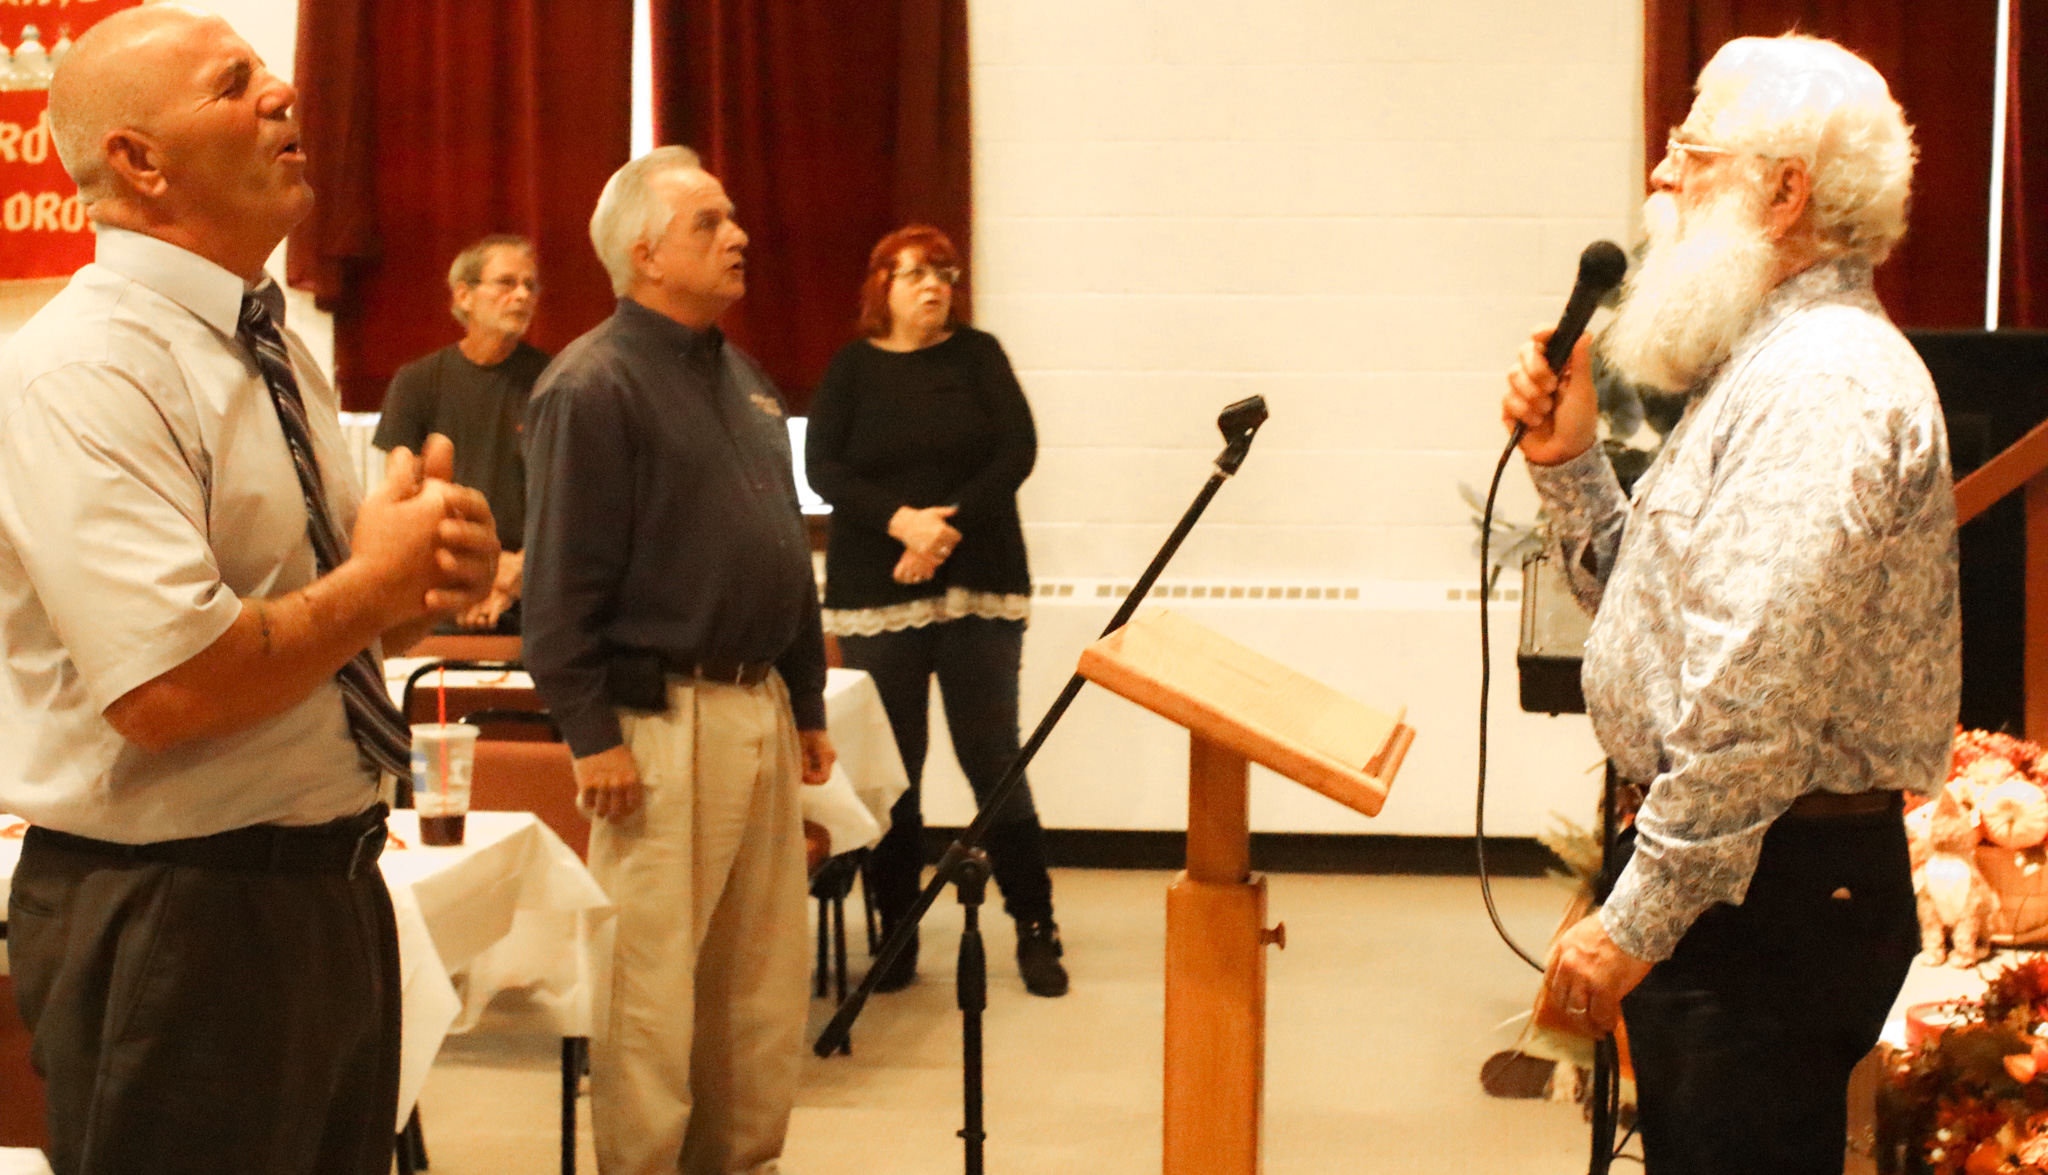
(1038, 958)
(903, 972)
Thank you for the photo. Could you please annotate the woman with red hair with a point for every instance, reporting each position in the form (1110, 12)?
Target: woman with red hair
(919, 437)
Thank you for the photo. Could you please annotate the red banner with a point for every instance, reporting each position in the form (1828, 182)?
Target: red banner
(43, 230)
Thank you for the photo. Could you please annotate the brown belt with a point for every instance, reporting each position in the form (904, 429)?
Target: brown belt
(1831, 803)
(723, 672)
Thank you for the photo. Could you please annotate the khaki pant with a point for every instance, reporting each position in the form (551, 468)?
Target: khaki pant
(696, 1068)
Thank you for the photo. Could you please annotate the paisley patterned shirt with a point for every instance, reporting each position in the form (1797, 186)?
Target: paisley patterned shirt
(1775, 611)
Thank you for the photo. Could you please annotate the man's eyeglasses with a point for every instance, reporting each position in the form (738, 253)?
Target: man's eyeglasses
(947, 274)
(505, 285)
(1675, 146)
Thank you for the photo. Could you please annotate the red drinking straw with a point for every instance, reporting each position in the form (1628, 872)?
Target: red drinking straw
(441, 708)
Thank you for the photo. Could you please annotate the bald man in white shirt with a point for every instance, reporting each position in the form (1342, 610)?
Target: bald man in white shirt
(194, 591)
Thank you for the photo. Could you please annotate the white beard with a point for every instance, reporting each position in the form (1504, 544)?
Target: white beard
(1695, 294)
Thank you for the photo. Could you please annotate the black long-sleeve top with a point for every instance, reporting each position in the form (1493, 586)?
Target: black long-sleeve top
(661, 515)
(946, 425)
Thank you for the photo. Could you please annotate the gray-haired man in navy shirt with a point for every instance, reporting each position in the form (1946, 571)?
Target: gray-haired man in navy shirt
(672, 626)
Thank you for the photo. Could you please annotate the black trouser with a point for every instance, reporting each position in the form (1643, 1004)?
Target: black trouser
(1743, 1040)
(202, 1020)
(976, 661)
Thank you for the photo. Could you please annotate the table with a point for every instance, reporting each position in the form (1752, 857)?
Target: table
(853, 806)
(510, 907)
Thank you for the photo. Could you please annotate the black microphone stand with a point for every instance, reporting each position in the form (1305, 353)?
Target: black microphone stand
(965, 865)
(970, 989)
(1605, 1103)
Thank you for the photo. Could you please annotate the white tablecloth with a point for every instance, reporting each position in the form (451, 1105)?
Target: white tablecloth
(869, 766)
(853, 806)
(23, 1160)
(10, 856)
(510, 907)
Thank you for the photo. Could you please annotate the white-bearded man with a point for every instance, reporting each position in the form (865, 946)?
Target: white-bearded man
(1775, 645)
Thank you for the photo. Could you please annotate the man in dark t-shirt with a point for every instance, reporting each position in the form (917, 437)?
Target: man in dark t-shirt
(475, 392)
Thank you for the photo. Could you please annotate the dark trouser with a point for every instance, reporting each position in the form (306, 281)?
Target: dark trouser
(1744, 1038)
(207, 1020)
(976, 661)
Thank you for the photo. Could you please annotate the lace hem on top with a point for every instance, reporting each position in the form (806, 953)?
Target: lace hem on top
(956, 603)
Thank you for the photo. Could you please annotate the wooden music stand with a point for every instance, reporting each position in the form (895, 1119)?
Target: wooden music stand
(1238, 707)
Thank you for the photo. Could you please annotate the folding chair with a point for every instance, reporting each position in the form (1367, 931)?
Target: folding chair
(830, 885)
(466, 647)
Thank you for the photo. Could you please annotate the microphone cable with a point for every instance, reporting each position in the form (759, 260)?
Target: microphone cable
(1602, 265)
(1604, 1105)
(1485, 695)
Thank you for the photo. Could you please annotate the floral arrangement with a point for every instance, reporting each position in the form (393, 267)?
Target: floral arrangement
(1972, 1098)
(1999, 779)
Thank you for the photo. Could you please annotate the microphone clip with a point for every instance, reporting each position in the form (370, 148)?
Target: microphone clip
(1239, 423)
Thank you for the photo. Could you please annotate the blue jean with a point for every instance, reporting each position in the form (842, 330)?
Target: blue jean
(1744, 1038)
(976, 661)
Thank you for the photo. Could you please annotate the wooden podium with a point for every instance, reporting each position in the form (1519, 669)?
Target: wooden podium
(1238, 707)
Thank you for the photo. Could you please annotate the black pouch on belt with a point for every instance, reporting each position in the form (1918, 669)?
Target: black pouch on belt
(636, 679)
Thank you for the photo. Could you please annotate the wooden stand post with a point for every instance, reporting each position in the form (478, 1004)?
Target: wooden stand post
(1239, 708)
(2035, 620)
(1215, 978)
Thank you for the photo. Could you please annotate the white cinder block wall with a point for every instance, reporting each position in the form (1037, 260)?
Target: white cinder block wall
(1355, 208)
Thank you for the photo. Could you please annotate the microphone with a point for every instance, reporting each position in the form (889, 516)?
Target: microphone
(1601, 268)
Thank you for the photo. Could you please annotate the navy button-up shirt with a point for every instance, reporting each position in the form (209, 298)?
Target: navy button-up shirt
(662, 515)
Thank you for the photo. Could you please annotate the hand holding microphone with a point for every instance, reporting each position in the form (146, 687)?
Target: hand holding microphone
(1555, 422)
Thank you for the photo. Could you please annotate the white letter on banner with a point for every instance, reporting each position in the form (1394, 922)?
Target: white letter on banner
(35, 143)
(74, 215)
(47, 204)
(15, 213)
(10, 134)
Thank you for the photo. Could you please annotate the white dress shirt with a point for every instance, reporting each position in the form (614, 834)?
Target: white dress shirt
(145, 490)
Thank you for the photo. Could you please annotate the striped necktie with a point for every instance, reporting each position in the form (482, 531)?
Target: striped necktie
(379, 729)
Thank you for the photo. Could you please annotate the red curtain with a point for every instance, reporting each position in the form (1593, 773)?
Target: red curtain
(1938, 58)
(431, 123)
(830, 123)
(2025, 269)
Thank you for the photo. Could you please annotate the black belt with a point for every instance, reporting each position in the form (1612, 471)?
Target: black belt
(349, 846)
(722, 672)
(1833, 803)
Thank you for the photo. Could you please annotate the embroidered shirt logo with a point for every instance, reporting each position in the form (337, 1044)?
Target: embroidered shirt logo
(766, 403)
